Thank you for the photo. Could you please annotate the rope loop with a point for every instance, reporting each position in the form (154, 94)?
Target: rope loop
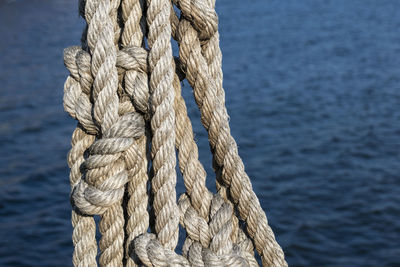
(202, 16)
(214, 243)
(106, 176)
(124, 89)
(133, 61)
(77, 88)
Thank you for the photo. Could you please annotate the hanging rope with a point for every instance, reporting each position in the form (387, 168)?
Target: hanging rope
(124, 89)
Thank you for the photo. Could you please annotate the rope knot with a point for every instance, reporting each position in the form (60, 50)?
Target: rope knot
(77, 88)
(112, 83)
(133, 61)
(218, 242)
(106, 175)
(203, 17)
(151, 253)
(132, 58)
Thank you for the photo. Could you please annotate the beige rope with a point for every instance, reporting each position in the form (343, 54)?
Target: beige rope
(191, 168)
(102, 190)
(162, 122)
(133, 60)
(102, 27)
(83, 235)
(117, 90)
(215, 120)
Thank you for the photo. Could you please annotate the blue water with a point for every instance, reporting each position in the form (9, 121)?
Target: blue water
(313, 92)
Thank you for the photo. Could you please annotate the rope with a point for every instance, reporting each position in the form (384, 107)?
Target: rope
(124, 90)
(75, 96)
(162, 122)
(133, 61)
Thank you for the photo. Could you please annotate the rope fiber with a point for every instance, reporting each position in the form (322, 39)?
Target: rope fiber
(124, 90)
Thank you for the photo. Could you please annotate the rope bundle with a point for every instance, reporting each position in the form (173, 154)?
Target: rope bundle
(124, 90)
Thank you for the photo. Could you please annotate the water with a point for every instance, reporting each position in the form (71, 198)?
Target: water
(313, 93)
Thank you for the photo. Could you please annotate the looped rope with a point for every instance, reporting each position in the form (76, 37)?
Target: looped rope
(106, 176)
(104, 184)
(133, 60)
(132, 119)
(77, 88)
(151, 253)
(214, 243)
(203, 17)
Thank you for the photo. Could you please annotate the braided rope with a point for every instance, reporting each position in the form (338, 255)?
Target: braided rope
(117, 90)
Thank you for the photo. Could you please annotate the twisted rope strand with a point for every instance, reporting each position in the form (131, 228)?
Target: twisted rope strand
(212, 53)
(134, 22)
(215, 119)
(102, 47)
(136, 87)
(84, 227)
(162, 122)
(103, 166)
(114, 94)
(191, 168)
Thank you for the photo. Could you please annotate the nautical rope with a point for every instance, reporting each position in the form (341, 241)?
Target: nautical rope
(215, 120)
(84, 232)
(133, 60)
(105, 170)
(124, 90)
(162, 122)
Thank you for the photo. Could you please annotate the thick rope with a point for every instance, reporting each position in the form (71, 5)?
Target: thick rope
(102, 190)
(84, 227)
(215, 120)
(162, 122)
(133, 59)
(84, 233)
(102, 27)
(194, 178)
(116, 89)
(190, 166)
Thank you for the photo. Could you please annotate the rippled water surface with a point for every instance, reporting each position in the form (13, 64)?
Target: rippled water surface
(312, 89)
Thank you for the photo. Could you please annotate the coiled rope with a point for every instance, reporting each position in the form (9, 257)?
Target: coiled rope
(124, 89)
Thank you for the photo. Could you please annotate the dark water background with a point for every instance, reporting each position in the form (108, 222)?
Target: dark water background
(312, 89)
